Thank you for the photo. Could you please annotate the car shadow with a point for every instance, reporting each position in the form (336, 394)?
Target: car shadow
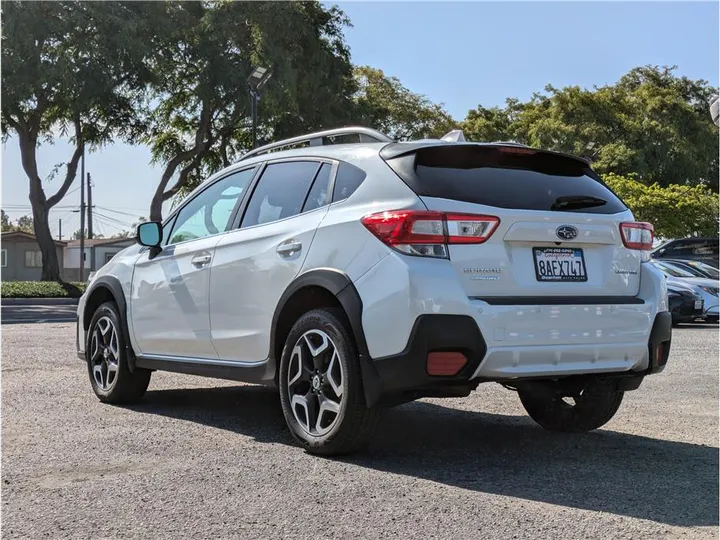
(669, 482)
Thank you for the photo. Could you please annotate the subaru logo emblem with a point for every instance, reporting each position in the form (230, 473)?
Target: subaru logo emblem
(566, 232)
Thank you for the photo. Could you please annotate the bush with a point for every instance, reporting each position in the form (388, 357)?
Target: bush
(675, 211)
(41, 289)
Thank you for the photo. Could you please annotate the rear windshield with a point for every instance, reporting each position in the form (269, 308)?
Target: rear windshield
(496, 177)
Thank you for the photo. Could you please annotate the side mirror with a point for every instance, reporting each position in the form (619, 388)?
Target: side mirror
(149, 234)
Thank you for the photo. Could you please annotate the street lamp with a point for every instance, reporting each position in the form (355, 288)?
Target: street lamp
(257, 79)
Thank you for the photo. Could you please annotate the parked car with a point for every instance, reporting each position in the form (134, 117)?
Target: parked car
(685, 304)
(357, 276)
(691, 249)
(697, 268)
(707, 289)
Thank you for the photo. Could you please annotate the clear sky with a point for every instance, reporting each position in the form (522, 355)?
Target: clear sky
(461, 54)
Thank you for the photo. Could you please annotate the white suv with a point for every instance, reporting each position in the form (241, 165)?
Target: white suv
(354, 276)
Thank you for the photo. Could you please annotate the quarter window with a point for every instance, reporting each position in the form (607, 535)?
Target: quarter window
(347, 181)
(211, 210)
(281, 192)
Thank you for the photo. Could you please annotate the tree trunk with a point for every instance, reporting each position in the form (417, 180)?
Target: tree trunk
(51, 265)
(156, 206)
(41, 205)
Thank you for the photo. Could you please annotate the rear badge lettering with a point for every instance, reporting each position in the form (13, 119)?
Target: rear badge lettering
(482, 270)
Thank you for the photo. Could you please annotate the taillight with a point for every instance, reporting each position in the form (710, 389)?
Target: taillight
(637, 235)
(428, 233)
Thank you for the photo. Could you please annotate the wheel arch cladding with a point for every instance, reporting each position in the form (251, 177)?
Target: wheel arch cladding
(108, 289)
(324, 288)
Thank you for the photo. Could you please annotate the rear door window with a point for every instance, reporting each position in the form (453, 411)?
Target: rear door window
(280, 192)
(320, 189)
(506, 178)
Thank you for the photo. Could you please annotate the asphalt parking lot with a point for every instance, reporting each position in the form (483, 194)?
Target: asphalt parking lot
(202, 458)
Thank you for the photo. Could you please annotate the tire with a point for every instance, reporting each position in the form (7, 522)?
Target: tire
(593, 408)
(321, 392)
(106, 358)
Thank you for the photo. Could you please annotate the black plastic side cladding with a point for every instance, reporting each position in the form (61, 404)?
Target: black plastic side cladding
(340, 285)
(407, 371)
(112, 284)
(661, 334)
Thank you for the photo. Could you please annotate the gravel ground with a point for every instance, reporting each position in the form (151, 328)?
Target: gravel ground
(201, 458)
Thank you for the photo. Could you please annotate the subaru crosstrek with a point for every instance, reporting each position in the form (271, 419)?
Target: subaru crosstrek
(359, 275)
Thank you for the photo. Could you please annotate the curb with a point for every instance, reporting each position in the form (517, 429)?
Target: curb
(36, 321)
(39, 301)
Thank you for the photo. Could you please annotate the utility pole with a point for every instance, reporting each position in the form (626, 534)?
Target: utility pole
(82, 216)
(60, 229)
(90, 224)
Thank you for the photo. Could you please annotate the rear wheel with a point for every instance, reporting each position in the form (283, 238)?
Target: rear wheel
(321, 386)
(110, 377)
(580, 410)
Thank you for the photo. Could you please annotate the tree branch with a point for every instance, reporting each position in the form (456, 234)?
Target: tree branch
(182, 179)
(71, 167)
(199, 146)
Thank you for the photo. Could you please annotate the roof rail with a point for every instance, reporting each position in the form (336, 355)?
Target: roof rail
(366, 135)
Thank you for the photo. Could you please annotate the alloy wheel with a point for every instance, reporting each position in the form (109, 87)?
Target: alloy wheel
(105, 354)
(315, 383)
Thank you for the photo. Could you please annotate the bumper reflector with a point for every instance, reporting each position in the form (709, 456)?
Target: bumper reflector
(445, 364)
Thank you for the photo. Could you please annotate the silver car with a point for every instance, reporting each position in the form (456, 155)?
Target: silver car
(707, 289)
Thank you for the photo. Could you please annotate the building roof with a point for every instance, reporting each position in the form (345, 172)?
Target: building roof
(103, 242)
(22, 235)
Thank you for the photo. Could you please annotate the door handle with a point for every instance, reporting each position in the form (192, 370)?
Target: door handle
(289, 248)
(201, 260)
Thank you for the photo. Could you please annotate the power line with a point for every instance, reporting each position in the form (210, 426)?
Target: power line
(117, 212)
(104, 223)
(113, 220)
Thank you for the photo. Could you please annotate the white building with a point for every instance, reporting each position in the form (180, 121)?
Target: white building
(104, 248)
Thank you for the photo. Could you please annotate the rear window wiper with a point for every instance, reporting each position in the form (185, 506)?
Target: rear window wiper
(575, 202)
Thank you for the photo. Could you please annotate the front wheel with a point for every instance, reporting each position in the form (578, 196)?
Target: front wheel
(110, 377)
(321, 387)
(579, 411)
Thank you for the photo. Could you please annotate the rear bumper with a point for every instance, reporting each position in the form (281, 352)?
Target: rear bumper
(412, 308)
(405, 376)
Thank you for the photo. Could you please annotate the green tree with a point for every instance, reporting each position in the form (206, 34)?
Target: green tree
(72, 68)
(6, 225)
(24, 224)
(76, 235)
(651, 123)
(675, 211)
(386, 105)
(200, 115)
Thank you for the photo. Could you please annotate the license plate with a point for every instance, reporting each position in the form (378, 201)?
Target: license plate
(559, 264)
(698, 304)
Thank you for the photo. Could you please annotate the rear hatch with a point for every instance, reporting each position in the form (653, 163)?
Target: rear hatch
(559, 225)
